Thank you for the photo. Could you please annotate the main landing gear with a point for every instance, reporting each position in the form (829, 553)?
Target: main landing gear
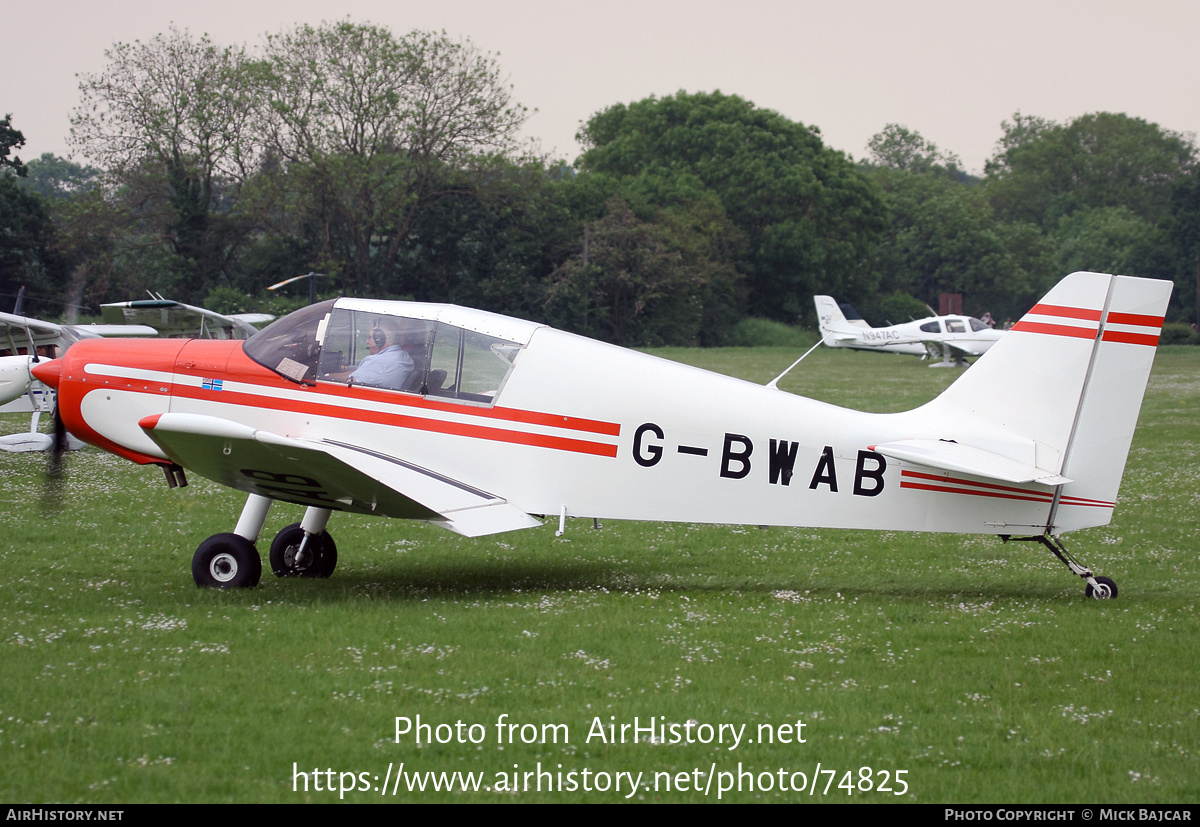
(296, 552)
(231, 561)
(1100, 588)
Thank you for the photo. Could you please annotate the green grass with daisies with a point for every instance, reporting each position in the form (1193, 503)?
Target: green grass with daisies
(951, 669)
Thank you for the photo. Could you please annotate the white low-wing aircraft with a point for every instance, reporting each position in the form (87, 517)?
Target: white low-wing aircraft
(490, 420)
(950, 339)
(25, 338)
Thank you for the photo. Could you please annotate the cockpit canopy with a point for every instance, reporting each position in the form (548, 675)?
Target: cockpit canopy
(954, 324)
(433, 350)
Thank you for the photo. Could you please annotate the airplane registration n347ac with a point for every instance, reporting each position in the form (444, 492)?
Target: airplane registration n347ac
(491, 420)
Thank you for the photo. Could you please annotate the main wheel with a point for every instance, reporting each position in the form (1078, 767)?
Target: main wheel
(1105, 589)
(321, 553)
(226, 561)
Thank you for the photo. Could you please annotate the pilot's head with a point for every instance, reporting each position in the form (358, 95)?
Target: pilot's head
(384, 333)
(387, 331)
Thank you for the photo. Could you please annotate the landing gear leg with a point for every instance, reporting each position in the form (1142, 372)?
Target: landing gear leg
(1101, 588)
(305, 549)
(230, 561)
(254, 516)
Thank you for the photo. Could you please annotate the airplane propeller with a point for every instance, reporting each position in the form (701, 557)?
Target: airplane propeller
(54, 485)
(61, 438)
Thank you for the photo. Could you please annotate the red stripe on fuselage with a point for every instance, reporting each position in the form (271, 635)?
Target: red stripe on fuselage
(989, 489)
(199, 358)
(994, 495)
(992, 489)
(418, 423)
(241, 368)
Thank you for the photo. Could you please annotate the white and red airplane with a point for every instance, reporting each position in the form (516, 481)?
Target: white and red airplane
(493, 420)
(949, 339)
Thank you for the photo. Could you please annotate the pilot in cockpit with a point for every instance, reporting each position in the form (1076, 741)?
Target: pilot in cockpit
(387, 364)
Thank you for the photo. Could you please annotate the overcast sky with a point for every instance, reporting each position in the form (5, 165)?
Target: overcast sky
(952, 70)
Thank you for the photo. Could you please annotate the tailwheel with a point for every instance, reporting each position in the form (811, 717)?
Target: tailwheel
(226, 561)
(296, 553)
(1105, 589)
(1100, 588)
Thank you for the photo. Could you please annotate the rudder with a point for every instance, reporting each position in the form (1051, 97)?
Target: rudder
(1125, 344)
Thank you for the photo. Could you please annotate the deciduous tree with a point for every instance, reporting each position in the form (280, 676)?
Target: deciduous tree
(10, 139)
(170, 122)
(26, 230)
(898, 147)
(365, 125)
(1046, 171)
(170, 102)
(810, 216)
(944, 237)
(647, 283)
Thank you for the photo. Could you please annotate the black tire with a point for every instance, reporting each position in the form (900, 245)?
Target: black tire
(226, 561)
(283, 554)
(1103, 581)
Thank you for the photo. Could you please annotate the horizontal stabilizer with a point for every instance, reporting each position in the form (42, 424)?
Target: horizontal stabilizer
(20, 443)
(952, 456)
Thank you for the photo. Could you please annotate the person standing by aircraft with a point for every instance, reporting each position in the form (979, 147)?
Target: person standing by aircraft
(387, 364)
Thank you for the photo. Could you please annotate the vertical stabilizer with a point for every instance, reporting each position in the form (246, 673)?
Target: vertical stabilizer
(835, 327)
(829, 316)
(1064, 387)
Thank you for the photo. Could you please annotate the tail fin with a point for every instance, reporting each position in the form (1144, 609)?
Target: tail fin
(1062, 389)
(832, 321)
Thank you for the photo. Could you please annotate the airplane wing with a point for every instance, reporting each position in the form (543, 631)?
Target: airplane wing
(253, 318)
(175, 319)
(328, 474)
(937, 349)
(13, 332)
(953, 456)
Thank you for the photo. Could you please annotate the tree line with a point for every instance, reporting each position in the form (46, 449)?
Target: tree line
(393, 166)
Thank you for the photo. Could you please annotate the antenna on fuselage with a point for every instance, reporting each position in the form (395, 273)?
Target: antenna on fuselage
(774, 383)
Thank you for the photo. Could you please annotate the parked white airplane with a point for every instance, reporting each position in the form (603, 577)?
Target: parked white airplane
(950, 339)
(483, 422)
(29, 340)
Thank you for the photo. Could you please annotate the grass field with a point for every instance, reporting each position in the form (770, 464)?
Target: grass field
(960, 668)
